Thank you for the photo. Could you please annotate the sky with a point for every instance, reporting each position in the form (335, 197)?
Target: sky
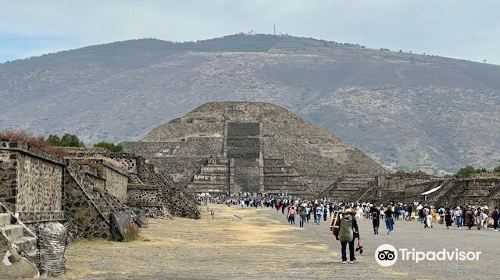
(467, 29)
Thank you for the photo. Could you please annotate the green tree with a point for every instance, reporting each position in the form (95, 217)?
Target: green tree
(67, 140)
(115, 148)
(496, 169)
(54, 140)
(467, 171)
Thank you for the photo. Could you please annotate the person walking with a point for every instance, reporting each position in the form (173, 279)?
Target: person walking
(448, 217)
(345, 235)
(389, 218)
(375, 216)
(319, 213)
(478, 217)
(458, 217)
(291, 214)
(496, 217)
(469, 218)
(303, 215)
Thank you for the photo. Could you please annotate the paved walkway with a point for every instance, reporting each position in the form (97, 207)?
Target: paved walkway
(259, 244)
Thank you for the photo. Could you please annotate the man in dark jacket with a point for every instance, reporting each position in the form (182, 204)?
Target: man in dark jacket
(496, 216)
(375, 215)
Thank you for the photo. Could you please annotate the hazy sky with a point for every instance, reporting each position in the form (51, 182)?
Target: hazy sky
(468, 29)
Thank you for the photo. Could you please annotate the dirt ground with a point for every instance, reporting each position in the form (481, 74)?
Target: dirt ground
(240, 244)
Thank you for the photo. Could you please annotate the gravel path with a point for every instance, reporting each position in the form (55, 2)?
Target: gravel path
(259, 244)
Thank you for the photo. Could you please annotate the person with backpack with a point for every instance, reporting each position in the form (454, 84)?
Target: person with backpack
(345, 234)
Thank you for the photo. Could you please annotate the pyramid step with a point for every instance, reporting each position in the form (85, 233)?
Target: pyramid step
(26, 243)
(32, 256)
(5, 219)
(13, 232)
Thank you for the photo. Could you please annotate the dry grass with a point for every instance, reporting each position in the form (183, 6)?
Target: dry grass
(33, 141)
(24, 137)
(132, 232)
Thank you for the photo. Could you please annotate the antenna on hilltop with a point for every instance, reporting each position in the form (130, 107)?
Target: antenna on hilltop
(274, 31)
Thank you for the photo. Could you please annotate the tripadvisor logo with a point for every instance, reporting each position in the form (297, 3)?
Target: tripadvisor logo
(387, 255)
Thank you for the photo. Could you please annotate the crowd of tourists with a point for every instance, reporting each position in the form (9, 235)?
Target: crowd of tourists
(344, 217)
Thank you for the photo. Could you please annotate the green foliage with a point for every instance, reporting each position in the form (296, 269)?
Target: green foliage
(115, 148)
(67, 140)
(468, 171)
(496, 169)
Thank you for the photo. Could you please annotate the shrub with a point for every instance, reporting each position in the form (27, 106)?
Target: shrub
(468, 171)
(24, 137)
(131, 232)
(115, 148)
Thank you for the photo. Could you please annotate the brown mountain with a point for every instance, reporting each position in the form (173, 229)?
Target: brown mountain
(405, 110)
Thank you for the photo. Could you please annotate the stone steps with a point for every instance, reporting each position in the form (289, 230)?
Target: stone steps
(26, 243)
(5, 219)
(14, 232)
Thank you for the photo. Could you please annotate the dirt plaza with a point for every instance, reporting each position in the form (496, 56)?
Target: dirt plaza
(257, 243)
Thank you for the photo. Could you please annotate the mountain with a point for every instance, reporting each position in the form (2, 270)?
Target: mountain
(405, 110)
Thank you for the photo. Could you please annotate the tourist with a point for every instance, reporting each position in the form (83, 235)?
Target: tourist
(278, 205)
(496, 217)
(458, 217)
(319, 213)
(421, 215)
(303, 214)
(477, 218)
(469, 218)
(409, 209)
(345, 235)
(442, 214)
(428, 217)
(375, 216)
(291, 214)
(448, 217)
(389, 218)
(359, 212)
(308, 212)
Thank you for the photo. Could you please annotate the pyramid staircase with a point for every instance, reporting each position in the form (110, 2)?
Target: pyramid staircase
(281, 177)
(350, 187)
(103, 202)
(212, 178)
(15, 234)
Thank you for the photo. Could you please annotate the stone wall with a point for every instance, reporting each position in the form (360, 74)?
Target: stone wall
(8, 179)
(31, 182)
(39, 185)
(116, 183)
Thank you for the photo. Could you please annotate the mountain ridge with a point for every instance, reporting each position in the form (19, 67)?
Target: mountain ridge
(406, 110)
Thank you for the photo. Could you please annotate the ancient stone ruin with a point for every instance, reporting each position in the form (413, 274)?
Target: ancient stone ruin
(96, 193)
(252, 147)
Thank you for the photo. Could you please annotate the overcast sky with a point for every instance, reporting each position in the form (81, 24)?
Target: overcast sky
(468, 29)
